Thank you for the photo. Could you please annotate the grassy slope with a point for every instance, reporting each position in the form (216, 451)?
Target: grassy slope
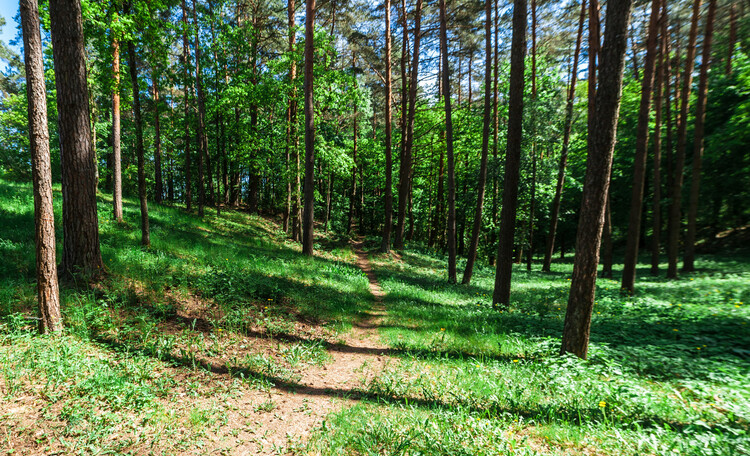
(668, 369)
(192, 301)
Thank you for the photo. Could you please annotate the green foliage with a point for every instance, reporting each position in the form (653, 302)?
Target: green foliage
(666, 371)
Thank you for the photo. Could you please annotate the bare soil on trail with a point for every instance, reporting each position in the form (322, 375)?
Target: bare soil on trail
(210, 410)
(301, 407)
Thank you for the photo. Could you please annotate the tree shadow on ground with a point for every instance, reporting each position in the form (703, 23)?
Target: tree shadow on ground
(540, 413)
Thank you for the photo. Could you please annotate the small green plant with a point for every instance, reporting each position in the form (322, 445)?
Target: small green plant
(266, 406)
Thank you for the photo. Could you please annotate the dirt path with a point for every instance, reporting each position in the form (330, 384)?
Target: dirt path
(275, 422)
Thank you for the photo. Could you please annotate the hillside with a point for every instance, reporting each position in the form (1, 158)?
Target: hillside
(223, 339)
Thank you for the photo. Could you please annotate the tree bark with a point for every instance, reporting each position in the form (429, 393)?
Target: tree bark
(641, 154)
(501, 294)
(289, 208)
(81, 252)
(408, 87)
(532, 204)
(116, 147)
(145, 232)
(660, 89)
(159, 185)
(495, 131)
(688, 262)
(676, 190)
(48, 295)
(294, 139)
(353, 188)
(201, 133)
(449, 143)
(309, 214)
(555, 213)
(187, 90)
(474, 244)
(385, 245)
(577, 324)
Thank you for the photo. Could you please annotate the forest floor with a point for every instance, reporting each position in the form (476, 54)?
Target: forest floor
(223, 339)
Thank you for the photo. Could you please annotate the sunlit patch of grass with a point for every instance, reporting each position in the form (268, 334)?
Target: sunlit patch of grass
(666, 373)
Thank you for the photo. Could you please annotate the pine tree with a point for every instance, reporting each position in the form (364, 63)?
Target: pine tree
(48, 295)
(601, 144)
(501, 294)
(81, 252)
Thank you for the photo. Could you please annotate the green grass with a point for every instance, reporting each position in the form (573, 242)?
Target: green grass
(188, 304)
(667, 374)
(141, 366)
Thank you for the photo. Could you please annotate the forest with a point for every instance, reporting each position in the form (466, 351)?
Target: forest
(397, 227)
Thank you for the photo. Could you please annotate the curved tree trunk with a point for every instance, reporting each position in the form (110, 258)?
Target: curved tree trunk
(81, 252)
(601, 144)
(501, 294)
(44, 217)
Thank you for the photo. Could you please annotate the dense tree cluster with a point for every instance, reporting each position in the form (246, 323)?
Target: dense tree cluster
(478, 130)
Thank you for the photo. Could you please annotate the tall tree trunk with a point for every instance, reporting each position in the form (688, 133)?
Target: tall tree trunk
(688, 263)
(594, 44)
(641, 154)
(289, 208)
(254, 184)
(48, 294)
(202, 140)
(293, 138)
(501, 294)
(116, 148)
(145, 232)
(676, 190)
(159, 187)
(81, 252)
(532, 204)
(555, 213)
(577, 324)
(353, 192)
(398, 241)
(474, 245)
(449, 143)
(385, 245)
(309, 214)
(187, 90)
(495, 131)
(660, 89)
